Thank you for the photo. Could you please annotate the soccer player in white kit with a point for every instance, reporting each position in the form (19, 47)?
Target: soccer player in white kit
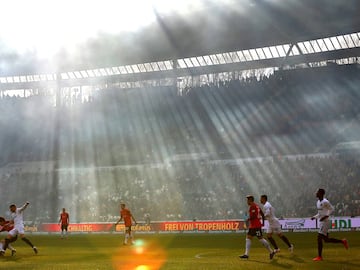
(274, 225)
(325, 209)
(17, 217)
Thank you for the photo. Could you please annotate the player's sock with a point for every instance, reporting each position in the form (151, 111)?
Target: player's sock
(6, 244)
(320, 246)
(272, 241)
(286, 240)
(10, 247)
(1, 246)
(27, 241)
(266, 244)
(126, 238)
(247, 246)
(333, 240)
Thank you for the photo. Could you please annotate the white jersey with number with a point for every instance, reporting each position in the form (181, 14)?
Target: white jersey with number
(324, 208)
(18, 219)
(269, 213)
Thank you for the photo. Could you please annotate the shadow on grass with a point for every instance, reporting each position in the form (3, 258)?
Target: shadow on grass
(273, 262)
(294, 258)
(346, 264)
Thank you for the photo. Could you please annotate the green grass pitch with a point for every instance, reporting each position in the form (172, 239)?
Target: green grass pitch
(178, 251)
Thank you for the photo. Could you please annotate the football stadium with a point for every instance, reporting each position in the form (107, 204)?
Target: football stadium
(192, 134)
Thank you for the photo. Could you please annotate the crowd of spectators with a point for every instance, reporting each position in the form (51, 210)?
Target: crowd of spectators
(190, 190)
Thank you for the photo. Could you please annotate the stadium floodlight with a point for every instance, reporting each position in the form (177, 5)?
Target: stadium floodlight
(78, 75)
(135, 68)
(90, 73)
(254, 55)
(260, 52)
(50, 77)
(71, 75)
(155, 66)
(329, 44)
(194, 61)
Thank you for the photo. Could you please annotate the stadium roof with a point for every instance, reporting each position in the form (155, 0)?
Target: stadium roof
(303, 52)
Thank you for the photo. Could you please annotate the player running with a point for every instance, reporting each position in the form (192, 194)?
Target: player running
(274, 225)
(18, 221)
(125, 214)
(256, 221)
(325, 209)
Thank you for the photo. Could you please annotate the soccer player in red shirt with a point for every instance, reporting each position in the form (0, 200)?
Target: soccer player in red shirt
(125, 214)
(256, 221)
(64, 222)
(6, 226)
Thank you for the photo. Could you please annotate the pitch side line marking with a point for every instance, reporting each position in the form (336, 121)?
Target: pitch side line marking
(200, 255)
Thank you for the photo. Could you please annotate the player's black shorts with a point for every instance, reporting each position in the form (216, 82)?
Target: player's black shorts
(13, 239)
(255, 232)
(64, 227)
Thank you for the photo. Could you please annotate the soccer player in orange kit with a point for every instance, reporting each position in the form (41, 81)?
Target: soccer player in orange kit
(64, 222)
(125, 214)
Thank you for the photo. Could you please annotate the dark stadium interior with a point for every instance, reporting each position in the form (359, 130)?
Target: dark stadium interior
(193, 155)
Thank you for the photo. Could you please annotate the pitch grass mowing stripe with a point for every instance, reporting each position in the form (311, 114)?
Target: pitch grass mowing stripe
(175, 252)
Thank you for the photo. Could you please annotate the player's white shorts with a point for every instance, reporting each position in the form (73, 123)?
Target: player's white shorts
(17, 230)
(274, 229)
(324, 226)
